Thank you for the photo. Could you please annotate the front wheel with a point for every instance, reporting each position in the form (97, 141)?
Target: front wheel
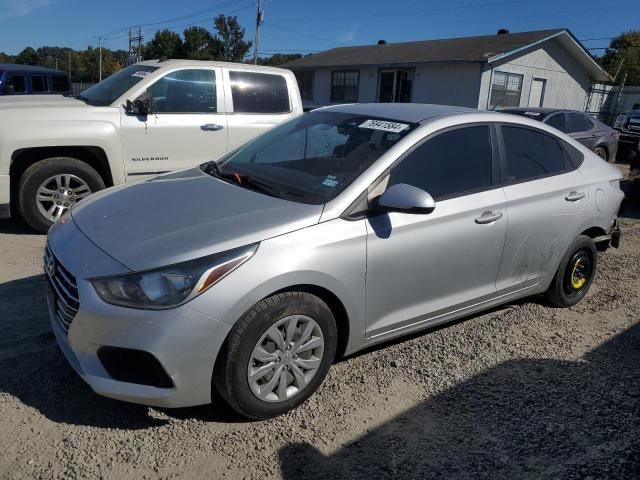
(52, 186)
(277, 355)
(575, 273)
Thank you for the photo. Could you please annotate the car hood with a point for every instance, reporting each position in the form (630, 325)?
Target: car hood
(184, 215)
(39, 101)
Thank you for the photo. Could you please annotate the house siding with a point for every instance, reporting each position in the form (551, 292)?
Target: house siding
(567, 83)
(447, 84)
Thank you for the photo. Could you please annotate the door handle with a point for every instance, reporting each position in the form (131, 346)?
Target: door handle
(211, 127)
(574, 196)
(488, 217)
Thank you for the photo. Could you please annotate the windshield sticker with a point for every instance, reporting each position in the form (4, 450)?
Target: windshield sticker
(330, 181)
(384, 126)
(140, 74)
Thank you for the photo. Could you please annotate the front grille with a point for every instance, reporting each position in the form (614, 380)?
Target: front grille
(64, 288)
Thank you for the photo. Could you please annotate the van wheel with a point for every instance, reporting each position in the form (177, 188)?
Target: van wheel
(575, 273)
(277, 355)
(52, 186)
(602, 153)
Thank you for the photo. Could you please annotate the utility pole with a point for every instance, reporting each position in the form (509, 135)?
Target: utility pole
(100, 61)
(135, 45)
(259, 21)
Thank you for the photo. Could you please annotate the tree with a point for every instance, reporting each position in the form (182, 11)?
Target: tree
(623, 53)
(198, 43)
(278, 59)
(228, 44)
(165, 43)
(28, 56)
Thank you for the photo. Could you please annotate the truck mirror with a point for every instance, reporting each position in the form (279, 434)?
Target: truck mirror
(141, 106)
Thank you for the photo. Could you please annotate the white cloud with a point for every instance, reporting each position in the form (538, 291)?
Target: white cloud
(348, 36)
(19, 8)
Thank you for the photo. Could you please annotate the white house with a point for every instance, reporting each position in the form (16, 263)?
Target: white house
(548, 68)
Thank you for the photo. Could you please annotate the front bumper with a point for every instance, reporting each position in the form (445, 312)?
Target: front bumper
(184, 341)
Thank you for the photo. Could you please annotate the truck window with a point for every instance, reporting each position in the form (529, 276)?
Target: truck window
(60, 84)
(14, 84)
(39, 84)
(259, 93)
(185, 91)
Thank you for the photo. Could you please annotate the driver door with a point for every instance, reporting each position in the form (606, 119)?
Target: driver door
(423, 266)
(187, 126)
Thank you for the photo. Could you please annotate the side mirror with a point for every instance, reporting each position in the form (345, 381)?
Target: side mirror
(406, 198)
(140, 107)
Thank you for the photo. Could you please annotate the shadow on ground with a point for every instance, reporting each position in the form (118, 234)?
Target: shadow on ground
(16, 227)
(521, 419)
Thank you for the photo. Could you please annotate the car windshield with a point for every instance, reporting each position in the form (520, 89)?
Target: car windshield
(113, 87)
(311, 158)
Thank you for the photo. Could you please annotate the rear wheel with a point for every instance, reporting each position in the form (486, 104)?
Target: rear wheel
(277, 355)
(602, 153)
(52, 186)
(575, 273)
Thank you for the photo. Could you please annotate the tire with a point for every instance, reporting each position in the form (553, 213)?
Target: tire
(575, 273)
(236, 360)
(73, 172)
(603, 154)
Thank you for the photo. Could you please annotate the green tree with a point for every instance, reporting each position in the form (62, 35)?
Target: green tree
(28, 56)
(228, 43)
(198, 43)
(624, 54)
(165, 43)
(277, 59)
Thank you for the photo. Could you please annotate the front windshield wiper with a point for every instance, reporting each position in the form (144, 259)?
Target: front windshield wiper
(243, 180)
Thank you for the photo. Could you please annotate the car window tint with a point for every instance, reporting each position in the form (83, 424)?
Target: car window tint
(185, 91)
(531, 154)
(559, 121)
(60, 84)
(39, 84)
(14, 84)
(450, 163)
(578, 122)
(259, 93)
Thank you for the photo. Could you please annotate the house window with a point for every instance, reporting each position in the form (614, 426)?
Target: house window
(344, 86)
(506, 89)
(305, 83)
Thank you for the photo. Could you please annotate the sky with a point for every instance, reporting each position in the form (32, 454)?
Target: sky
(305, 26)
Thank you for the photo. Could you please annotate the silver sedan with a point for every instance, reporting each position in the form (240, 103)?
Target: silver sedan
(343, 228)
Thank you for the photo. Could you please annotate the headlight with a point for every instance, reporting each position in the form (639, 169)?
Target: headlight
(170, 286)
(619, 123)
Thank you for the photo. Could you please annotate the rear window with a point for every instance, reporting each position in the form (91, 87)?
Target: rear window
(14, 84)
(531, 154)
(578, 122)
(259, 93)
(60, 84)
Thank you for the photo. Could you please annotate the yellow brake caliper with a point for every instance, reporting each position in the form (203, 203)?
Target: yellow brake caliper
(577, 282)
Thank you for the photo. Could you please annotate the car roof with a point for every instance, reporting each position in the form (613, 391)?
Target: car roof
(401, 112)
(546, 110)
(162, 63)
(16, 67)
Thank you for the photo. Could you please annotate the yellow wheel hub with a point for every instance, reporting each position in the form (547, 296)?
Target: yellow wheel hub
(577, 280)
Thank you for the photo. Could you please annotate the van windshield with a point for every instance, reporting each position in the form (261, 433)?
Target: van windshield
(113, 87)
(312, 158)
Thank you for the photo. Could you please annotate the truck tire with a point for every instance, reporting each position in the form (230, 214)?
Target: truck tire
(48, 188)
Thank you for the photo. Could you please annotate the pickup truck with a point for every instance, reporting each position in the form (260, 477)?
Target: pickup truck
(149, 118)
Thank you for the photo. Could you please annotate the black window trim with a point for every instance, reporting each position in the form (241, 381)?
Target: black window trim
(354, 212)
(352, 70)
(262, 73)
(569, 166)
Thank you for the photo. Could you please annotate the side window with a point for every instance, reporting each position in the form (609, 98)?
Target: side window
(559, 121)
(185, 91)
(14, 84)
(60, 84)
(531, 154)
(451, 163)
(39, 84)
(259, 93)
(577, 122)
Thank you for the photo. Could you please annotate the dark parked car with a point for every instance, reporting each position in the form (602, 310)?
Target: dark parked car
(31, 80)
(628, 124)
(593, 134)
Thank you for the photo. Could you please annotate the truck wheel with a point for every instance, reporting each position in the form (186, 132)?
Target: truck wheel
(277, 355)
(51, 186)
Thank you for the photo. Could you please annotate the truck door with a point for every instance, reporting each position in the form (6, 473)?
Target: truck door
(187, 126)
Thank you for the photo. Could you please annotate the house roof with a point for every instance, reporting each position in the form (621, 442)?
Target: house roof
(486, 48)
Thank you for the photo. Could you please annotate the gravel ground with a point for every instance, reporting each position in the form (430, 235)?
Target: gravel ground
(524, 391)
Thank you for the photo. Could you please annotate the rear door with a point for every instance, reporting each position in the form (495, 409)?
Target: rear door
(422, 266)
(256, 102)
(188, 125)
(546, 196)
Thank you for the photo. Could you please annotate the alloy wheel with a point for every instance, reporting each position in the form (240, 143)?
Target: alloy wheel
(59, 193)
